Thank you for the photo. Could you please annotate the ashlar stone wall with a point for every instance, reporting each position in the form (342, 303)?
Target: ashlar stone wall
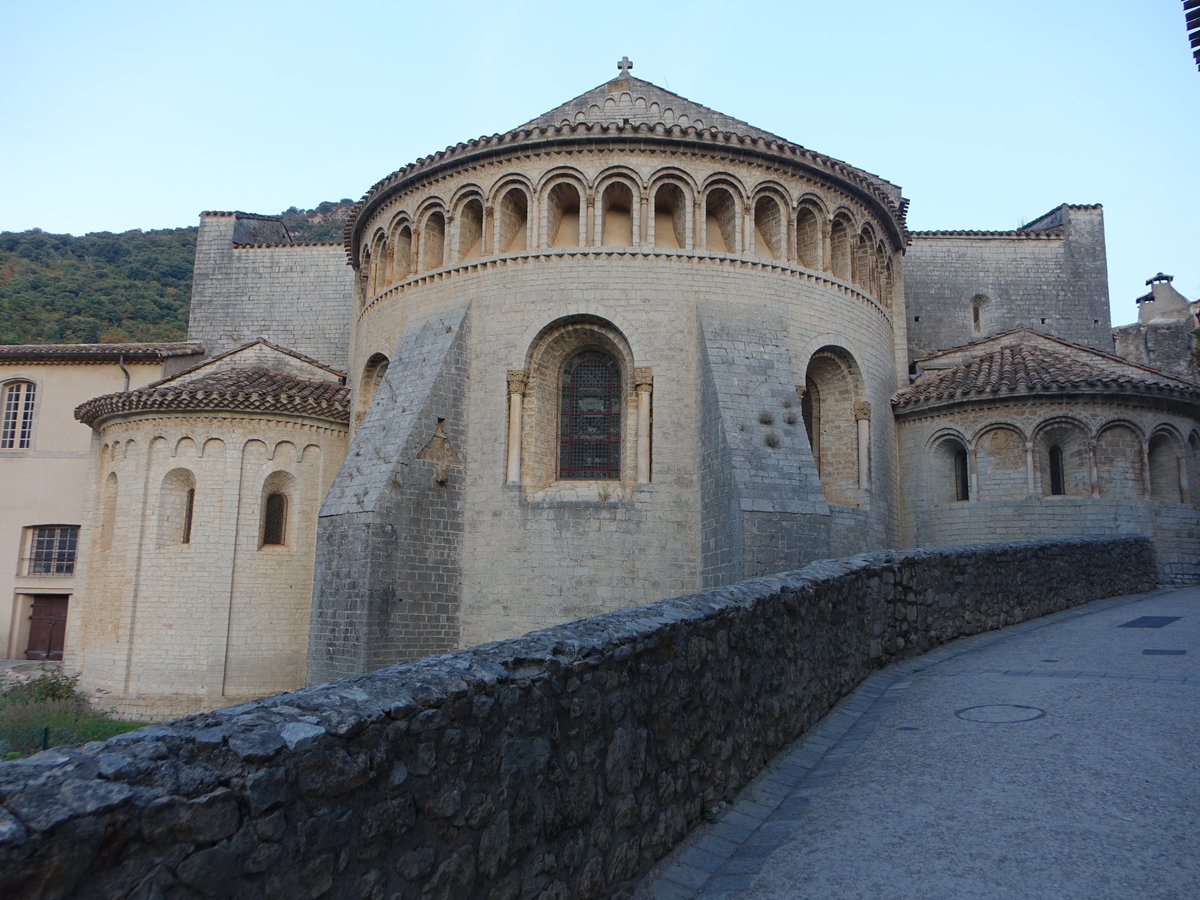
(172, 624)
(250, 283)
(1125, 468)
(559, 764)
(1049, 275)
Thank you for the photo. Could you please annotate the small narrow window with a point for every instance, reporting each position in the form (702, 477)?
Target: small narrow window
(274, 519)
(590, 417)
(189, 504)
(962, 483)
(1057, 483)
(977, 304)
(17, 430)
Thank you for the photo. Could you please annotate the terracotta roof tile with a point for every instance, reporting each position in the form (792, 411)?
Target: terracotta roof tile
(1022, 368)
(239, 388)
(81, 353)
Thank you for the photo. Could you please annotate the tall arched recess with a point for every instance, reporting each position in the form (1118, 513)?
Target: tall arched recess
(372, 377)
(832, 391)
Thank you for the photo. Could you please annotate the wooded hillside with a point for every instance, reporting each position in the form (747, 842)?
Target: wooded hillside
(104, 287)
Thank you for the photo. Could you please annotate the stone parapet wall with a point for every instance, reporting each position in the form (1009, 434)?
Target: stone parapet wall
(1172, 526)
(562, 763)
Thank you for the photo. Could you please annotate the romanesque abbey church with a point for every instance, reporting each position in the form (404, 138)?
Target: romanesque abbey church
(632, 348)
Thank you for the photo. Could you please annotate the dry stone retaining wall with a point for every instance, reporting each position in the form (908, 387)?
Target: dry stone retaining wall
(559, 764)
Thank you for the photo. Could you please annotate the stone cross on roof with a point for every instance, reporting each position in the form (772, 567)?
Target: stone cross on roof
(624, 65)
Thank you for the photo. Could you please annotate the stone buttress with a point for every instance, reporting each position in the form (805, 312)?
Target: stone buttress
(388, 581)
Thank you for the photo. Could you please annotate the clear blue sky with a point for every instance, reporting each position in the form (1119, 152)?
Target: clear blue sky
(127, 115)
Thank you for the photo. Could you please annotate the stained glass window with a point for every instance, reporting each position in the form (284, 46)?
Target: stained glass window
(589, 439)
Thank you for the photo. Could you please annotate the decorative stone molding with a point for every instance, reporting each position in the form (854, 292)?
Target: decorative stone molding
(862, 410)
(643, 379)
(517, 380)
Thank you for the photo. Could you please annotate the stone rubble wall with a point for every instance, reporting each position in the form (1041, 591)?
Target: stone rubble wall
(559, 764)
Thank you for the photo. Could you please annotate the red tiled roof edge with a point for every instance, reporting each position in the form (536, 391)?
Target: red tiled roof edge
(292, 396)
(1020, 370)
(81, 353)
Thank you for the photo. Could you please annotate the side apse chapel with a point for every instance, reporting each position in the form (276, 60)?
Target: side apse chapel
(630, 349)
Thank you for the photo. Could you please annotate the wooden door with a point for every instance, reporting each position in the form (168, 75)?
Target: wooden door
(47, 626)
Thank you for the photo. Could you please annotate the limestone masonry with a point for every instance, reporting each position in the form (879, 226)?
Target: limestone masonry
(631, 349)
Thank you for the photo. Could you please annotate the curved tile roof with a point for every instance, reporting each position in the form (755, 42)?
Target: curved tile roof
(86, 353)
(235, 388)
(1024, 368)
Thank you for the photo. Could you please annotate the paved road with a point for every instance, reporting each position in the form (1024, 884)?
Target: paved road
(1058, 758)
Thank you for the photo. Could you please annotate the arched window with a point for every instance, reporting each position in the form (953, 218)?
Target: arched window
(720, 221)
(883, 276)
(589, 443)
(670, 222)
(401, 254)
(1167, 470)
(839, 248)
(1057, 481)
(1119, 457)
(177, 503)
(274, 530)
(470, 230)
(616, 229)
(978, 302)
(580, 410)
(1062, 461)
(512, 218)
(433, 242)
(949, 469)
(1000, 463)
(808, 237)
(562, 216)
(372, 377)
(373, 268)
(769, 233)
(189, 506)
(810, 413)
(962, 482)
(19, 402)
(862, 262)
(832, 384)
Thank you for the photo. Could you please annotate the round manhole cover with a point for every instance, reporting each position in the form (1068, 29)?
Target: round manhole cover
(1000, 713)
